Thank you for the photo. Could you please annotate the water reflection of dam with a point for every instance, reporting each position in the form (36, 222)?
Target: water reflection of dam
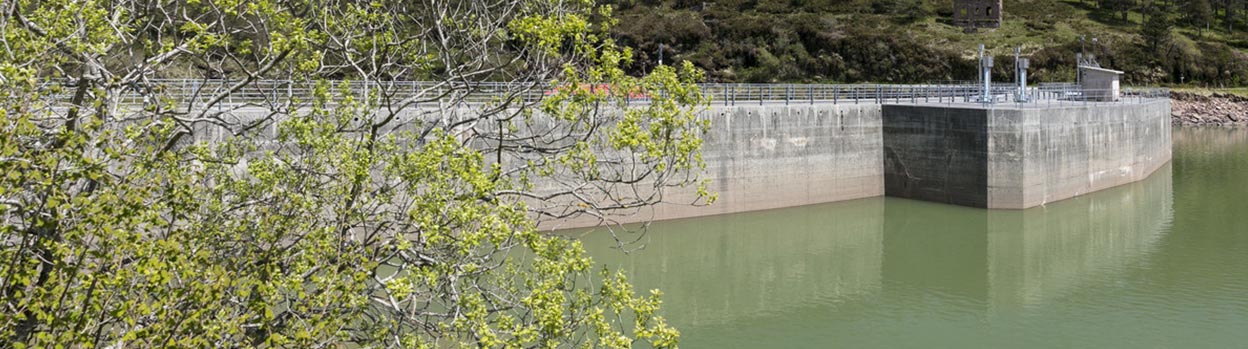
(715, 269)
(1014, 259)
(834, 262)
(1208, 140)
(1038, 254)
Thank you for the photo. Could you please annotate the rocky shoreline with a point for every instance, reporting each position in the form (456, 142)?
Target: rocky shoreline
(1218, 109)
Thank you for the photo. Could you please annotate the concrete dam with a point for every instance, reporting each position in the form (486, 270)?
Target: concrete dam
(774, 146)
(995, 156)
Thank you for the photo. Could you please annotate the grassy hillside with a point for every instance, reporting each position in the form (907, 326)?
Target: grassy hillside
(914, 40)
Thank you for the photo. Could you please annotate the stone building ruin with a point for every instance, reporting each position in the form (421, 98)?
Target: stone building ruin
(975, 14)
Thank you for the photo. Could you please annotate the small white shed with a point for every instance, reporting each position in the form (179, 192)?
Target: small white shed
(1100, 84)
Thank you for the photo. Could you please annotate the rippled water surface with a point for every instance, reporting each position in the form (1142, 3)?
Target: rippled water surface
(1159, 263)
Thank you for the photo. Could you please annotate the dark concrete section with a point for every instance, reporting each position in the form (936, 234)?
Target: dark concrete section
(936, 154)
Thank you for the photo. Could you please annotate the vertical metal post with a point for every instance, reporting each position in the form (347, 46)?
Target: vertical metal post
(194, 90)
(985, 63)
(230, 97)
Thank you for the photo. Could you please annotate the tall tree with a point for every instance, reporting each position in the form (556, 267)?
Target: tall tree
(1122, 7)
(1199, 14)
(261, 202)
(1158, 30)
(1228, 14)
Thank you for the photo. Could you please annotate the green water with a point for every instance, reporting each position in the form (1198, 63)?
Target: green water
(1158, 263)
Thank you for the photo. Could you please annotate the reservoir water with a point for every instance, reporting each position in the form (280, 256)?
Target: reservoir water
(1158, 263)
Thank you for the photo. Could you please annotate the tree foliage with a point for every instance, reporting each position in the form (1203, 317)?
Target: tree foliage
(905, 41)
(1157, 29)
(1198, 14)
(313, 212)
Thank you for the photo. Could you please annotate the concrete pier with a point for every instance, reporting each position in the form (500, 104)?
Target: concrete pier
(1015, 158)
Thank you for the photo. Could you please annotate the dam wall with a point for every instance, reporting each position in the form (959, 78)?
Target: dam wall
(1016, 158)
(767, 157)
(770, 156)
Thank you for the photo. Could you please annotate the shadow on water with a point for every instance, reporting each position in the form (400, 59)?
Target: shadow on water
(884, 271)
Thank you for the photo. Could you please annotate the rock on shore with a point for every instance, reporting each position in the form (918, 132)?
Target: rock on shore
(1218, 109)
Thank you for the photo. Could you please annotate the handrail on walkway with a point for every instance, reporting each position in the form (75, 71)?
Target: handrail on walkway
(720, 93)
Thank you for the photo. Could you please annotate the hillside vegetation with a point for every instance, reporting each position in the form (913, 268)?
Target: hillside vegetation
(1156, 42)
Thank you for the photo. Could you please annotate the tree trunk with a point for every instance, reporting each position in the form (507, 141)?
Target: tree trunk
(1226, 15)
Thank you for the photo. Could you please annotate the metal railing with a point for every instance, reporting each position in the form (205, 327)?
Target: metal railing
(1046, 94)
(233, 93)
(260, 92)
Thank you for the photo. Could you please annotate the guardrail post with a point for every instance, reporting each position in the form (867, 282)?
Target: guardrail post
(788, 93)
(194, 90)
(835, 91)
